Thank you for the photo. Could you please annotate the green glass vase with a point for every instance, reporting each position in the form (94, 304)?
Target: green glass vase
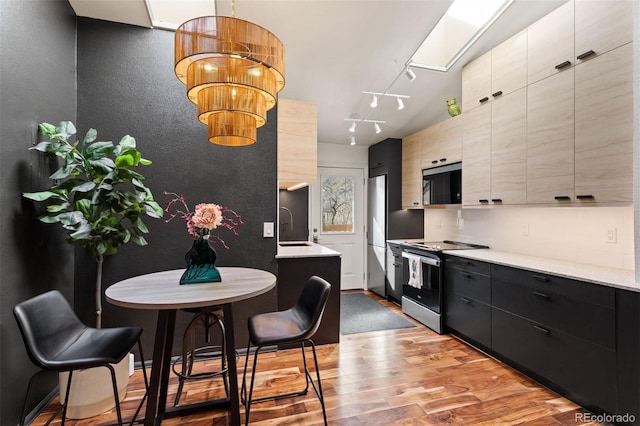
(201, 263)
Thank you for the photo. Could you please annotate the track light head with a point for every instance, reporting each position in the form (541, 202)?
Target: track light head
(352, 129)
(400, 103)
(352, 139)
(410, 74)
(374, 101)
(377, 127)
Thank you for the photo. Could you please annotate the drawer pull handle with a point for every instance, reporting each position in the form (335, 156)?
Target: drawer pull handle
(562, 198)
(541, 330)
(585, 197)
(465, 300)
(483, 201)
(540, 278)
(496, 200)
(442, 160)
(563, 65)
(498, 93)
(585, 54)
(415, 203)
(541, 295)
(483, 100)
(434, 162)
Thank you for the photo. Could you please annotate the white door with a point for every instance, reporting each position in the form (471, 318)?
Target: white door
(337, 218)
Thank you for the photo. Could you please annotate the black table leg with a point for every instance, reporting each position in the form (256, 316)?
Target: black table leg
(160, 367)
(233, 370)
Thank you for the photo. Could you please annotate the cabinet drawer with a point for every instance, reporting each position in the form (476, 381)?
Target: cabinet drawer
(547, 306)
(587, 372)
(469, 317)
(577, 290)
(469, 265)
(469, 284)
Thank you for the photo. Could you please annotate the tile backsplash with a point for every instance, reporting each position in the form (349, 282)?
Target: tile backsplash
(601, 236)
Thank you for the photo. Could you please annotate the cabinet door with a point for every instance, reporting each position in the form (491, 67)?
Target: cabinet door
(411, 173)
(604, 127)
(550, 139)
(476, 82)
(509, 148)
(509, 65)
(429, 149)
(450, 141)
(550, 43)
(476, 151)
(601, 26)
(297, 142)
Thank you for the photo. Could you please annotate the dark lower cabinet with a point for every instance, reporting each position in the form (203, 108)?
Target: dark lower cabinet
(467, 298)
(294, 272)
(583, 371)
(580, 339)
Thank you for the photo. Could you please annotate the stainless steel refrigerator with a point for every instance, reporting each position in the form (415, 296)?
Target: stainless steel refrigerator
(377, 234)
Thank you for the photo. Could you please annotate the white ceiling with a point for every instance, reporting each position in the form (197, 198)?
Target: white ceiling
(338, 48)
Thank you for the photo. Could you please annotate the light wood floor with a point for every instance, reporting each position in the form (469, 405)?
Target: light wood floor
(410, 376)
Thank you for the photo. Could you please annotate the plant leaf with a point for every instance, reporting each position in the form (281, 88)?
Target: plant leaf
(85, 187)
(40, 196)
(64, 171)
(55, 208)
(145, 162)
(99, 149)
(91, 136)
(127, 142)
(138, 239)
(44, 146)
(105, 164)
(66, 129)
(141, 226)
(71, 218)
(84, 206)
(83, 232)
(47, 129)
(125, 160)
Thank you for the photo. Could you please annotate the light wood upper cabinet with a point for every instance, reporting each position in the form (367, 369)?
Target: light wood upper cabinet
(550, 139)
(476, 82)
(411, 172)
(509, 65)
(476, 150)
(601, 26)
(442, 143)
(509, 148)
(604, 127)
(550, 43)
(297, 142)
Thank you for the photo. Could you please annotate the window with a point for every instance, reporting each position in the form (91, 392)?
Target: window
(337, 204)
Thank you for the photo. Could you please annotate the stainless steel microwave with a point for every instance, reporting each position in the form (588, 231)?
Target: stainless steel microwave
(442, 184)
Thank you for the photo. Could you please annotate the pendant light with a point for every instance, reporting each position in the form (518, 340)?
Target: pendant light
(233, 70)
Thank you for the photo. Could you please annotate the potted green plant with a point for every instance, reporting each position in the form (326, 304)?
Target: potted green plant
(100, 200)
(98, 197)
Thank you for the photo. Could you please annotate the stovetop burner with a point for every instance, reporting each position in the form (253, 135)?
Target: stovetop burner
(444, 245)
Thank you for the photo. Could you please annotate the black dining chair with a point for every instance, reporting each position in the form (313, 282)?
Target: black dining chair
(56, 340)
(296, 325)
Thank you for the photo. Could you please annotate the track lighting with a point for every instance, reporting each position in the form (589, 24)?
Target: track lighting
(410, 74)
(352, 129)
(377, 127)
(374, 101)
(352, 139)
(400, 103)
(356, 121)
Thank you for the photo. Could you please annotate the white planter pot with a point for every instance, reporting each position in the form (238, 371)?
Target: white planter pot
(91, 389)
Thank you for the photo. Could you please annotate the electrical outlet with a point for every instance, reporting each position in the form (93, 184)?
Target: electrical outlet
(524, 230)
(268, 230)
(612, 235)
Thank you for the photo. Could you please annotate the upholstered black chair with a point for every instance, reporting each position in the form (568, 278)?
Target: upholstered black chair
(56, 340)
(296, 325)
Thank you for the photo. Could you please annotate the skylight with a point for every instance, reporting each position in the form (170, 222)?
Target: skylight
(457, 30)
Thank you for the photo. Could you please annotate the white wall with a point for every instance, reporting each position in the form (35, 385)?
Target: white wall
(336, 155)
(575, 234)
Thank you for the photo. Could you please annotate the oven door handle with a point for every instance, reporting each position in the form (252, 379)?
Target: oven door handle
(423, 259)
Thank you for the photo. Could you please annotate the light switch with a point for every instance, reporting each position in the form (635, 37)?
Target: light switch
(268, 230)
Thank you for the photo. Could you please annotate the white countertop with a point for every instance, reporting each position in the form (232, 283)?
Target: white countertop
(308, 250)
(612, 277)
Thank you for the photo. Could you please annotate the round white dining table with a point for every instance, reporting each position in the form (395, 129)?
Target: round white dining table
(161, 291)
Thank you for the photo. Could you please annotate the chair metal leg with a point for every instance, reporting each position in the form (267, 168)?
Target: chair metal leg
(146, 385)
(115, 392)
(247, 400)
(23, 413)
(66, 399)
(319, 389)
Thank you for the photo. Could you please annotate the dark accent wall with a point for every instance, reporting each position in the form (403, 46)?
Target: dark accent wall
(126, 85)
(37, 83)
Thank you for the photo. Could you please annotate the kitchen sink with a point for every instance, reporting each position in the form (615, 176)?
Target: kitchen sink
(294, 243)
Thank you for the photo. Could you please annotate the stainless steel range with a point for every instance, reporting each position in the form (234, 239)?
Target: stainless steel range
(422, 286)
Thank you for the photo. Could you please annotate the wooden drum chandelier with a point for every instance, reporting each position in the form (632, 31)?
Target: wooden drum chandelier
(233, 70)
